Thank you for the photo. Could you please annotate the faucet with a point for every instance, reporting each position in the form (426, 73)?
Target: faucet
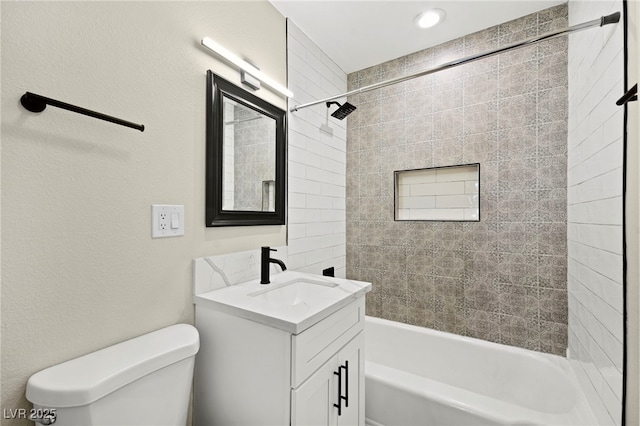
(266, 260)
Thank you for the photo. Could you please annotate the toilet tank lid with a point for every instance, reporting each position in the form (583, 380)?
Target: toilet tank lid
(88, 378)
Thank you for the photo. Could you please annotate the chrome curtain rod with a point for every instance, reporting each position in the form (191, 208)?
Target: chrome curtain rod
(604, 20)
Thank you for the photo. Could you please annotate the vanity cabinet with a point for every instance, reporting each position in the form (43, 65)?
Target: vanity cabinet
(251, 373)
(331, 396)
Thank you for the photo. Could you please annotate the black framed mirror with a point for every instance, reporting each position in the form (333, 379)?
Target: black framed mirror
(246, 157)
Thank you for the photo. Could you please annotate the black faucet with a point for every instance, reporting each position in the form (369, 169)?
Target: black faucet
(266, 260)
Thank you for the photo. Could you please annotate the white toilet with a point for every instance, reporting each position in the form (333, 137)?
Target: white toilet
(143, 381)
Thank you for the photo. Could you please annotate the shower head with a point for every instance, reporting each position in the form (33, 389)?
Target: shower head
(343, 110)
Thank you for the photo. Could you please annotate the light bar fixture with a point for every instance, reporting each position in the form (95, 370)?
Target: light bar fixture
(245, 66)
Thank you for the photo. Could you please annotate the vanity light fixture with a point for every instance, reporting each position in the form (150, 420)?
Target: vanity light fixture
(430, 18)
(245, 66)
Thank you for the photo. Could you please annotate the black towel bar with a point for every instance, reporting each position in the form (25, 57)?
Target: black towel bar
(37, 103)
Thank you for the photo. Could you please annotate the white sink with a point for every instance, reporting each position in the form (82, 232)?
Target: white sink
(295, 292)
(293, 302)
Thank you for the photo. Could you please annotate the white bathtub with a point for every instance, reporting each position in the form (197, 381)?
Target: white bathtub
(419, 376)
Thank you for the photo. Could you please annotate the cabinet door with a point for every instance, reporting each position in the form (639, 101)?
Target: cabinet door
(312, 402)
(351, 360)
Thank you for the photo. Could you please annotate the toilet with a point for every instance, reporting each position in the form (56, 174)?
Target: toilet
(143, 381)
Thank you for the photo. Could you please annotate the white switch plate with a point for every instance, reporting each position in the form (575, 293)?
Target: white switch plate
(164, 222)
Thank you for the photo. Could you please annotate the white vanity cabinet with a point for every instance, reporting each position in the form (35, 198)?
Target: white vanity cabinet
(251, 373)
(332, 395)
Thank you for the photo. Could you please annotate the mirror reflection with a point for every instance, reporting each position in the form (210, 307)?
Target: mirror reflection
(249, 159)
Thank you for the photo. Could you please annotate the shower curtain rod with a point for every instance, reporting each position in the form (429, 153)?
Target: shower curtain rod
(604, 20)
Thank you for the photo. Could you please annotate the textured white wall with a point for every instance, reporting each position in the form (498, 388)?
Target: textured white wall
(317, 161)
(80, 270)
(595, 207)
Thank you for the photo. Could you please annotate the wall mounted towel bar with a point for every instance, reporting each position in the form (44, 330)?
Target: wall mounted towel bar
(37, 103)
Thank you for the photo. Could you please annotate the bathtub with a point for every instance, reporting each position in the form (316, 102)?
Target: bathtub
(419, 376)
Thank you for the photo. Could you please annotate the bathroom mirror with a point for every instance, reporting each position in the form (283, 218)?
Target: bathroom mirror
(245, 164)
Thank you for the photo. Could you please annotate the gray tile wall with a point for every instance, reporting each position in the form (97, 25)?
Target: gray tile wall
(502, 279)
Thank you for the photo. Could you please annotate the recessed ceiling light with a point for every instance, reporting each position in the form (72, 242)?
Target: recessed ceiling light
(430, 18)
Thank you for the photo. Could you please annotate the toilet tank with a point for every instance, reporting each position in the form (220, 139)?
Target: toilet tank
(143, 381)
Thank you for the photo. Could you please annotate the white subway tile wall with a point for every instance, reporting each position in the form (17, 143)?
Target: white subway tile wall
(317, 161)
(594, 200)
(449, 193)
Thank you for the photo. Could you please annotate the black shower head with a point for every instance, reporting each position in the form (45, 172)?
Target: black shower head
(343, 110)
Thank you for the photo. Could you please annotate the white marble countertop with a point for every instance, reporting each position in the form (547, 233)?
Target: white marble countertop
(247, 300)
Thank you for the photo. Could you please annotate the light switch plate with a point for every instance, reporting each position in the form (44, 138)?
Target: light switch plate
(167, 221)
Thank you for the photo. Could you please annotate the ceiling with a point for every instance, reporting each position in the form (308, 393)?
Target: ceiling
(359, 34)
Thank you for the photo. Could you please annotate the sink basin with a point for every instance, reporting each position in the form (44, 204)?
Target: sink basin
(295, 292)
(293, 302)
